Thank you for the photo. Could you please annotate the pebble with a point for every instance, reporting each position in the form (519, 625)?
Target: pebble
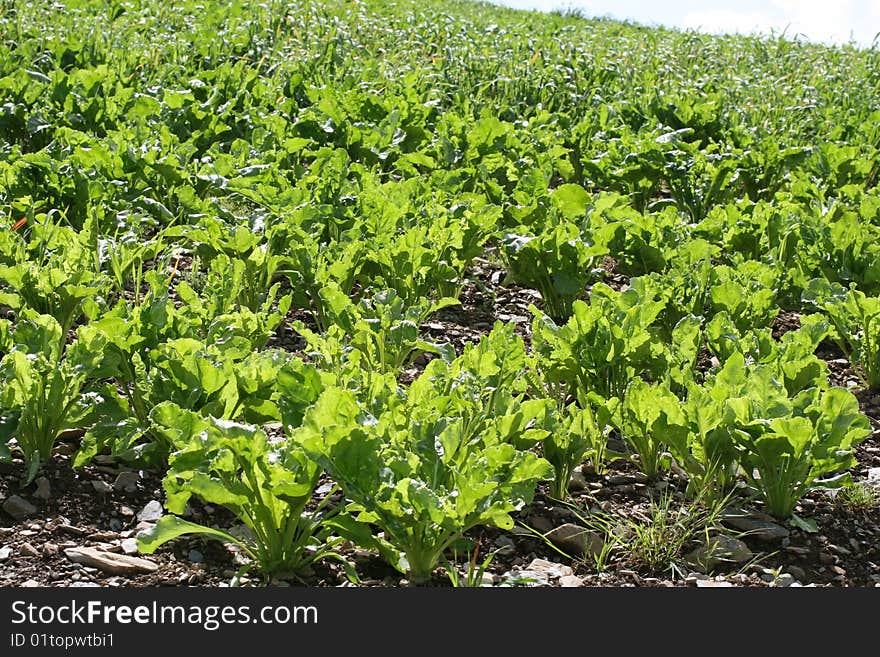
(126, 511)
(718, 550)
(541, 524)
(713, 584)
(129, 546)
(50, 549)
(5, 552)
(505, 545)
(28, 550)
(18, 507)
(577, 481)
(797, 572)
(826, 558)
(151, 512)
(785, 579)
(115, 564)
(548, 569)
(101, 487)
(126, 482)
(195, 556)
(763, 530)
(576, 540)
(570, 581)
(115, 524)
(44, 489)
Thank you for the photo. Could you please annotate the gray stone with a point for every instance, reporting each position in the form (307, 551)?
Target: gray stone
(577, 481)
(109, 562)
(575, 540)
(541, 524)
(50, 549)
(5, 552)
(759, 528)
(797, 572)
(101, 487)
(570, 581)
(18, 507)
(621, 479)
(505, 545)
(44, 489)
(151, 512)
(130, 546)
(195, 556)
(487, 579)
(115, 524)
(785, 579)
(126, 482)
(713, 584)
(719, 549)
(548, 569)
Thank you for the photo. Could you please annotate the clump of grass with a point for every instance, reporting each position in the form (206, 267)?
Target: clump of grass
(654, 539)
(857, 498)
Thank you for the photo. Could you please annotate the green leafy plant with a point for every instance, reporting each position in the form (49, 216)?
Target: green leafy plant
(558, 263)
(436, 464)
(44, 389)
(265, 483)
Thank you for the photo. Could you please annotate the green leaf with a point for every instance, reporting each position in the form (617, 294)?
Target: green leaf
(170, 527)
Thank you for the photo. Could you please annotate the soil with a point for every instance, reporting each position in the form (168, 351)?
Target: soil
(84, 508)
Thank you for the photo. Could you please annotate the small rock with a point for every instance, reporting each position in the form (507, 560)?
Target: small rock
(826, 558)
(5, 552)
(576, 541)
(873, 477)
(30, 584)
(115, 524)
(44, 489)
(101, 487)
(50, 549)
(763, 530)
(195, 556)
(488, 579)
(785, 579)
(621, 479)
(713, 584)
(126, 511)
(577, 481)
(797, 572)
(570, 581)
(115, 564)
(126, 482)
(505, 546)
(130, 546)
(548, 569)
(152, 512)
(18, 507)
(28, 550)
(718, 550)
(541, 524)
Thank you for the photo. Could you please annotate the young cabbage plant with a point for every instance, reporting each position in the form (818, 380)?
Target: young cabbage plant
(450, 456)
(558, 263)
(266, 483)
(856, 320)
(784, 456)
(43, 387)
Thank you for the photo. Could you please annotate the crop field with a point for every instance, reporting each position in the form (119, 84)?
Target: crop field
(433, 293)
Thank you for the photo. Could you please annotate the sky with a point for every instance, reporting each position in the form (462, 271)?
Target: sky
(823, 21)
